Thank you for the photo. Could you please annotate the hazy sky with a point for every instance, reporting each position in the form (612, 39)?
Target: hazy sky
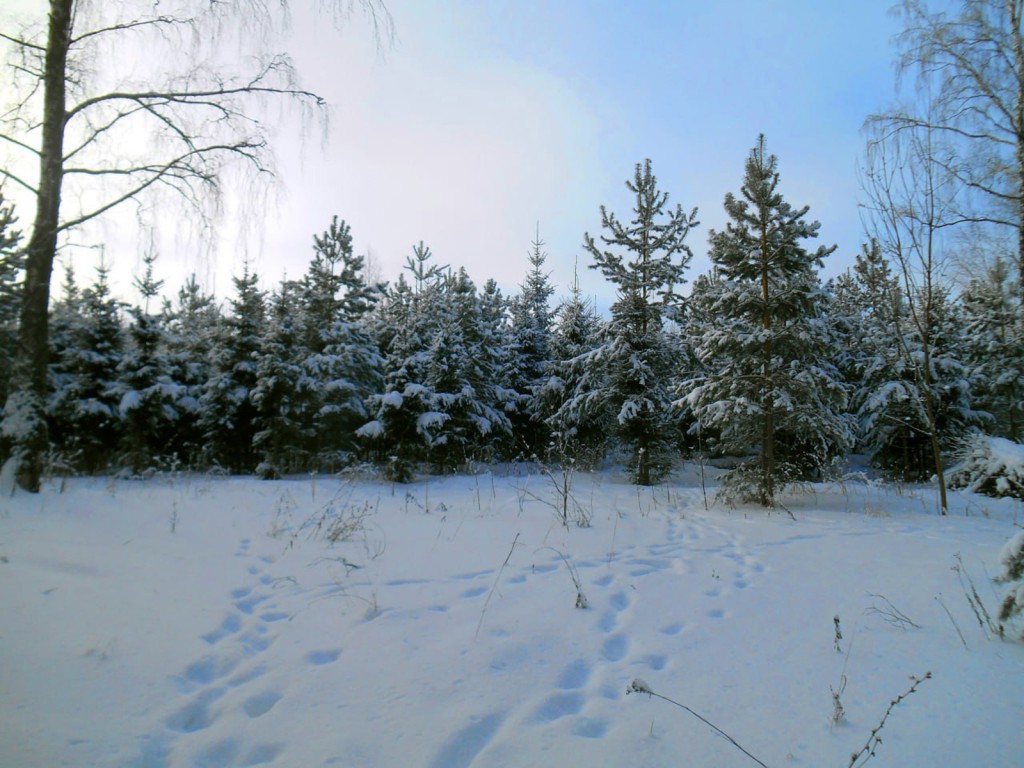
(488, 116)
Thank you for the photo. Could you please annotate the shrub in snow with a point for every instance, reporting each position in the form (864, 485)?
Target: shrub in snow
(993, 466)
(1012, 561)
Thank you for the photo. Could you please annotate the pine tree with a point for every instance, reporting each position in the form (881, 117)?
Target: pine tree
(646, 263)
(228, 414)
(768, 385)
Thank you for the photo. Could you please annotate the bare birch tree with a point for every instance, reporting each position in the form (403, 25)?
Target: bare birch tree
(970, 63)
(116, 101)
(911, 200)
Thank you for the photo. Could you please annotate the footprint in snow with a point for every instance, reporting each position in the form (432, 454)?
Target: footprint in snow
(575, 675)
(262, 754)
(271, 616)
(590, 727)
(656, 661)
(473, 574)
(559, 705)
(230, 624)
(207, 669)
(462, 747)
(260, 703)
(319, 658)
(195, 716)
(615, 647)
(248, 602)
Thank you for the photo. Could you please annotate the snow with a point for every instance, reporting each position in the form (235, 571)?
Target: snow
(208, 621)
(371, 430)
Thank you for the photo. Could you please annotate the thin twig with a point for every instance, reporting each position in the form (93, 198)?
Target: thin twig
(868, 750)
(891, 614)
(639, 686)
(495, 586)
(956, 626)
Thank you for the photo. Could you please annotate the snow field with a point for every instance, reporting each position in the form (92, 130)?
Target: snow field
(195, 622)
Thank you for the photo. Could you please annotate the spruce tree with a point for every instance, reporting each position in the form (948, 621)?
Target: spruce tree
(228, 415)
(532, 318)
(994, 347)
(578, 434)
(12, 266)
(83, 409)
(148, 391)
(403, 422)
(461, 375)
(768, 386)
(282, 391)
(191, 328)
(880, 359)
(343, 362)
(645, 259)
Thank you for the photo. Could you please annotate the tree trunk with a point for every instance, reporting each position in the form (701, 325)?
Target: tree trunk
(768, 430)
(24, 416)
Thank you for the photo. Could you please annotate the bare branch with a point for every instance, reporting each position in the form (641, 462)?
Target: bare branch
(174, 172)
(21, 182)
(23, 43)
(130, 25)
(22, 145)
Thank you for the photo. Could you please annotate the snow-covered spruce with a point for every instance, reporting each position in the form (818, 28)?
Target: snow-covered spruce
(993, 466)
(1011, 559)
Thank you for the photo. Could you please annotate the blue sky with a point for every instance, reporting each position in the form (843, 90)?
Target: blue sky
(487, 117)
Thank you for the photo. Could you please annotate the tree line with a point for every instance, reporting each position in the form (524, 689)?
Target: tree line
(758, 361)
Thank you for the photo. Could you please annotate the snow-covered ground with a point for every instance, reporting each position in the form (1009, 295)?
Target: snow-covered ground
(200, 621)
